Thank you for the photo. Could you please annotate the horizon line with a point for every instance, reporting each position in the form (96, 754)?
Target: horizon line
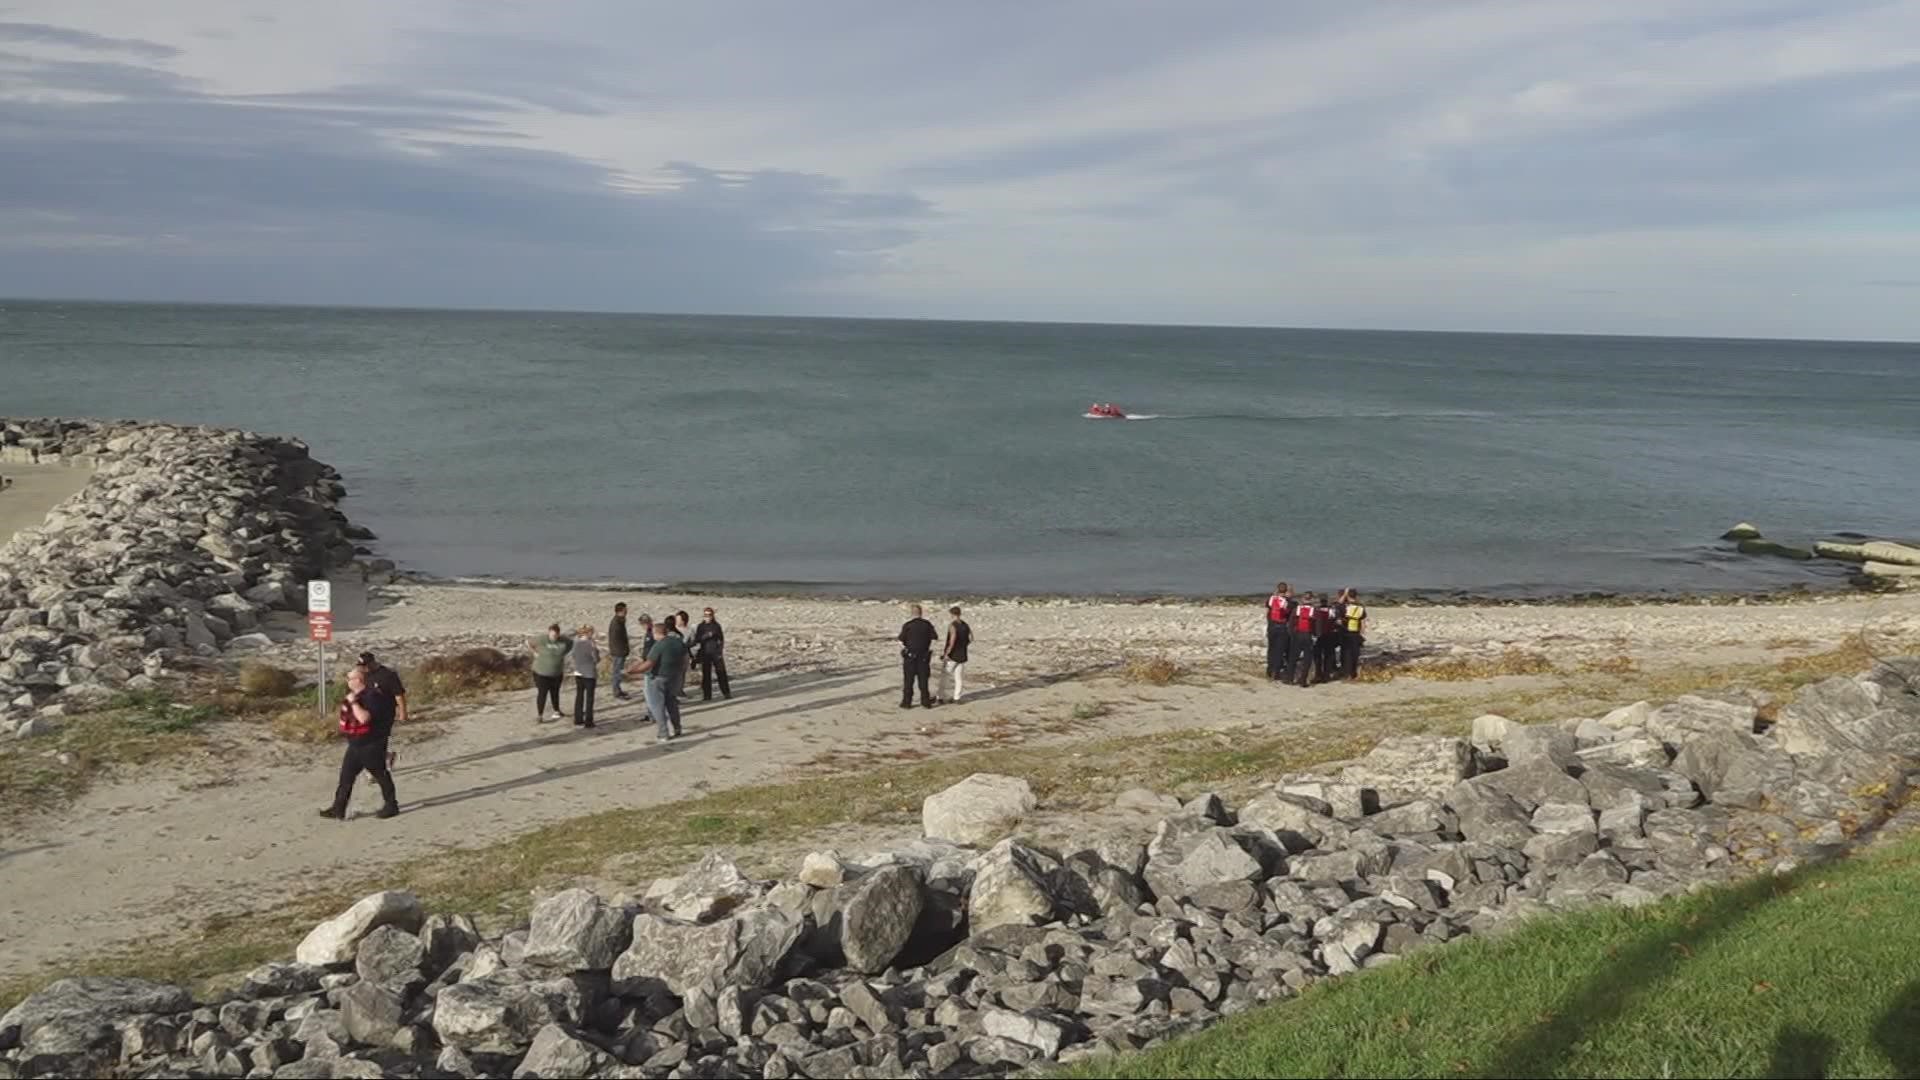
(474, 310)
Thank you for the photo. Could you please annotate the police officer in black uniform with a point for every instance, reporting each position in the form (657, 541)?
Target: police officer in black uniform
(916, 658)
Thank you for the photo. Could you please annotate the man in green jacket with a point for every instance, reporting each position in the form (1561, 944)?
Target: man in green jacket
(549, 667)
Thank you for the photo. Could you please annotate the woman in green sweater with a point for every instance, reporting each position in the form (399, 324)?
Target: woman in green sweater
(549, 667)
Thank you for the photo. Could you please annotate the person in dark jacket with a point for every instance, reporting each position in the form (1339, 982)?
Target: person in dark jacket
(387, 681)
(366, 719)
(916, 657)
(710, 647)
(1304, 623)
(618, 649)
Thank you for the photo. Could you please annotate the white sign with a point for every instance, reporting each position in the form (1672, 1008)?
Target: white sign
(319, 597)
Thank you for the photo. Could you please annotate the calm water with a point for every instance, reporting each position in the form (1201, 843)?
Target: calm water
(936, 457)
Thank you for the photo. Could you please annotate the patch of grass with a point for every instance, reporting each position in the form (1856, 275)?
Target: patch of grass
(468, 673)
(1091, 710)
(1514, 661)
(1619, 664)
(1153, 670)
(48, 771)
(1806, 975)
(264, 680)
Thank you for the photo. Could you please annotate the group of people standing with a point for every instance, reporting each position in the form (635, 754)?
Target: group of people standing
(917, 639)
(1312, 638)
(667, 649)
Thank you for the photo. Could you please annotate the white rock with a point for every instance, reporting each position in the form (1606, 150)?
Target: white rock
(978, 810)
(335, 941)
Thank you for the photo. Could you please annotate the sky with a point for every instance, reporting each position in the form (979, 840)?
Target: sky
(1717, 167)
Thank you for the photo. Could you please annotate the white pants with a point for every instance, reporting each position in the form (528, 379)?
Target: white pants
(950, 674)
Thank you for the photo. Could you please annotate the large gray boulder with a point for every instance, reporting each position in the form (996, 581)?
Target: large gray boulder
(1846, 716)
(1732, 768)
(392, 959)
(877, 914)
(74, 1015)
(1014, 885)
(1540, 744)
(336, 940)
(714, 887)
(1690, 716)
(1290, 816)
(558, 1054)
(503, 1012)
(745, 949)
(1488, 815)
(1531, 784)
(575, 930)
(1189, 853)
(977, 811)
(1409, 767)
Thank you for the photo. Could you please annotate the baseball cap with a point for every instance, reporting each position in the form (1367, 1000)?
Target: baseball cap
(366, 659)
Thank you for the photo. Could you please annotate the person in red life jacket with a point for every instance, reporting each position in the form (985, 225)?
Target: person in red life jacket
(1353, 626)
(366, 719)
(1300, 621)
(1326, 639)
(1279, 643)
(387, 681)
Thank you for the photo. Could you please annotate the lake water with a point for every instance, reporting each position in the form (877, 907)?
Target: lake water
(937, 458)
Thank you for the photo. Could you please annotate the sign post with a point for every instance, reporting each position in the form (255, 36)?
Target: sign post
(320, 629)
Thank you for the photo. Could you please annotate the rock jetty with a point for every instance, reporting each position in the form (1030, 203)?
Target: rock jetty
(179, 544)
(939, 959)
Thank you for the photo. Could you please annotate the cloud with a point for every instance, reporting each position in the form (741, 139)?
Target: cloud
(43, 34)
(1481, 162)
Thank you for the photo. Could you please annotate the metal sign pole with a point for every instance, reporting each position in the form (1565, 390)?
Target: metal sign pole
(320, 649)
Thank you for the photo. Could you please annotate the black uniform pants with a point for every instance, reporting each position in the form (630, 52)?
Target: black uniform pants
(1302, 667)
(915, 668)
(583, 701)
(1350, 652)
(364, 755)
(1279, 650)
(1323, 655)
(709, 667)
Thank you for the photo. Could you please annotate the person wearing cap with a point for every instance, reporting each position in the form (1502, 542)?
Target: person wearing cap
(387, 681)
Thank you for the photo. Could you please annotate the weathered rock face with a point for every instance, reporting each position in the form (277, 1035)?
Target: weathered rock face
(577, 931)
(1404, 767)
(181, 540)
(978, 810)
(744, 949)
(712, 888)
(936, 960)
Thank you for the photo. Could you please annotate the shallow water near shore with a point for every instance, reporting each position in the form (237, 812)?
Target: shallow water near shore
(881, 458)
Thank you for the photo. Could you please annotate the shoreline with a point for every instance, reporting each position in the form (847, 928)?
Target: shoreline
(1796, 592)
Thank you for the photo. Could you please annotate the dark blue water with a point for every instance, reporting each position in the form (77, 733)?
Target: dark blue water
(880, 456)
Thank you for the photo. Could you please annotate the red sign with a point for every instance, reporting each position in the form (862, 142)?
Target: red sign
(320, 626)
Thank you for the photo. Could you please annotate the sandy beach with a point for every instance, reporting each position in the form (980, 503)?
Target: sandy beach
(35, 489)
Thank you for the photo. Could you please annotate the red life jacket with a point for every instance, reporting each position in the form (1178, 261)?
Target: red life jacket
(1323, 618)
(1303, 618)
(351, 725)
(1277, 609)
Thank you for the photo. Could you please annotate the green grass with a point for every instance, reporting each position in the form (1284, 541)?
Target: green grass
(1807, 975)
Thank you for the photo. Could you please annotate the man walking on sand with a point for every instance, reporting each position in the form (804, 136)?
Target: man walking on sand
(953, 658)
(618, 648)
(917, 636)
(710, 644)
(366, 719)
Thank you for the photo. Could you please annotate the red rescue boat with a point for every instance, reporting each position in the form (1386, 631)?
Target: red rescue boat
(1106, 411)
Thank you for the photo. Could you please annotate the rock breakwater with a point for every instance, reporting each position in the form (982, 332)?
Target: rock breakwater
(936, 959)
(179, 544)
